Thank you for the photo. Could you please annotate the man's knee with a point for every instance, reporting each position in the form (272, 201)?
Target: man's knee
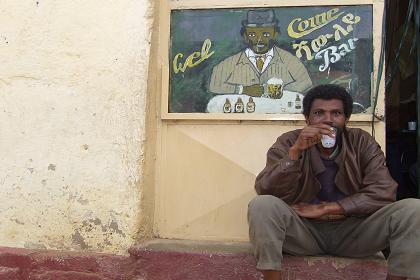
(267, 205)
(411, 206)
(407, 212)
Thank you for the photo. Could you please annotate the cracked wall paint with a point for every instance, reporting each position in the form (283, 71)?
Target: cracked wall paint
(72, 109)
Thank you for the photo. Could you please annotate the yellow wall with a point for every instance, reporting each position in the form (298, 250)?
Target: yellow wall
(207, 173)
(73, 82)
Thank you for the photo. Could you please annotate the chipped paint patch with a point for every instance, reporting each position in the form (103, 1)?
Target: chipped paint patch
(114, 226)
(79, 240)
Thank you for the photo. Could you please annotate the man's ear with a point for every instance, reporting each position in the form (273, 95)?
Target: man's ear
(306, 120)
(347, 120)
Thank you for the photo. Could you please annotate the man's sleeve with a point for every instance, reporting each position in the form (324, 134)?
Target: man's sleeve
(281, 175)
(300, 75)
(378, 188)
(219, 76)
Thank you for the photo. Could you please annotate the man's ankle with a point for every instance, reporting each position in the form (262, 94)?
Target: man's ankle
(272, 275)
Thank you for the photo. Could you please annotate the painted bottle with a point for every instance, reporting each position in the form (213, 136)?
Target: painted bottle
(298, 102)
(250, 106)
(239, 106)
(227, 107)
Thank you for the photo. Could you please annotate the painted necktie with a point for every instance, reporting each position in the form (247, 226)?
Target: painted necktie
(260, 63)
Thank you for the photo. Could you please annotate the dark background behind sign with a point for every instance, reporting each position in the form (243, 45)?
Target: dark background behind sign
(189, 28)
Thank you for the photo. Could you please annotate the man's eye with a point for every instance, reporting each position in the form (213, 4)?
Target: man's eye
(338, 113)
(317, 112)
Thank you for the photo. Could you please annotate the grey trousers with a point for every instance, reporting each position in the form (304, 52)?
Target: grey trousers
(275, 228)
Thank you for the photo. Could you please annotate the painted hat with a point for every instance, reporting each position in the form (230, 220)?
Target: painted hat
(260, 18)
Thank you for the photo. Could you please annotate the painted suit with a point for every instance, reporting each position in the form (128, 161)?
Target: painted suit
(238, 70)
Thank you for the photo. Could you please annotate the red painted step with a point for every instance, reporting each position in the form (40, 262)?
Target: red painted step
(9, 273)
(187, 260)
(176, 260)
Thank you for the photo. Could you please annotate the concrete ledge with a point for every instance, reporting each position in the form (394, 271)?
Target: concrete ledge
(193, 246)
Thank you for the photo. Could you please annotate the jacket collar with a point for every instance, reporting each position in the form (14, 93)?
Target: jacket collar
(277, 55)
(243, 59)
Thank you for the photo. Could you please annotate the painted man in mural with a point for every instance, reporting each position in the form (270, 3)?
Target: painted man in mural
(249, 70)
(325, 189)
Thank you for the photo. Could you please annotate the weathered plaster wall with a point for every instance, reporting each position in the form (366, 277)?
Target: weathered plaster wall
(73, 80)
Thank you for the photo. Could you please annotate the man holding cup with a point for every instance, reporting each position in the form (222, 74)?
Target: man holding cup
(326, 190)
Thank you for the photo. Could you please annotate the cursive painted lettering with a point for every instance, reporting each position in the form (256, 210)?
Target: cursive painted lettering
(319, 42)
(340, 31)
(316, 45)
(193, 59)
(333, 54)
(305, 27)
(302, 46)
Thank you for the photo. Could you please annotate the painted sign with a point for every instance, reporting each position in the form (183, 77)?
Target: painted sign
(249, 61)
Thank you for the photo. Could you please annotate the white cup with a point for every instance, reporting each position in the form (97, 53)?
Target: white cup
(328, 141)
(412, 125)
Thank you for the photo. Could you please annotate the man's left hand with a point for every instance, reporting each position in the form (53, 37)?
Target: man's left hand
(317, 211)
(311, 211)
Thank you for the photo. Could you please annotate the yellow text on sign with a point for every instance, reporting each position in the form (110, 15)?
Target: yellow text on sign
(193, 59)
(304, 27)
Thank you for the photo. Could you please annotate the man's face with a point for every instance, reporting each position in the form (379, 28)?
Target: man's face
(260, 39)
(330, 112)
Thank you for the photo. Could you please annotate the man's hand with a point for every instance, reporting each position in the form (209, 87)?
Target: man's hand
(311, 211)
(317, 211)
(254, 90)
(308, 137)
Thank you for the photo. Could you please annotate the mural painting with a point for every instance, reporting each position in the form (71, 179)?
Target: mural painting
(263, 60)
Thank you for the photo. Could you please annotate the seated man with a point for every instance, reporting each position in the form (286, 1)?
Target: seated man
(331, 197)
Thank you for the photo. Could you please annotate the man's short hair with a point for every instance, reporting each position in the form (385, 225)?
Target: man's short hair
(328, 92)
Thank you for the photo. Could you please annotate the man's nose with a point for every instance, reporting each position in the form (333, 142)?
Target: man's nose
(328, 119)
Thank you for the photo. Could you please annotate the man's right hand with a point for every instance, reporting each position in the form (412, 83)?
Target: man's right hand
(254, 90)
(308, 137)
